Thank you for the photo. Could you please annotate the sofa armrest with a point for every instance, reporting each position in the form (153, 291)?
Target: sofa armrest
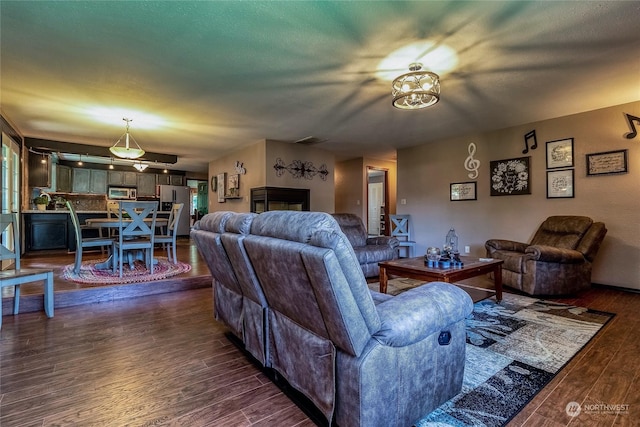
(383, 240)
(553, 254)
(505, 245)
(417, 313)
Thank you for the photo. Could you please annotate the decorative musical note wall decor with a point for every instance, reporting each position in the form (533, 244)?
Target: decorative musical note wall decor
(471, 164)
(530, 137)
(632, 126)
(301, 169)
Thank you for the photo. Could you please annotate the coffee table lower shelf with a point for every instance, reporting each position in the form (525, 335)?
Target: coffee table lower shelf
(415, 268)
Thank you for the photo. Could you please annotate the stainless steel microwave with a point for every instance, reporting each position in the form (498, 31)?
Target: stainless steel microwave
(122, 193)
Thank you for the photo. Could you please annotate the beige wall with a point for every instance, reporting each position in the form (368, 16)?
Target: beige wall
(351, 185)
(425, 172)
(350, 191)
(322, 191)
(259, 159)
(253, 160)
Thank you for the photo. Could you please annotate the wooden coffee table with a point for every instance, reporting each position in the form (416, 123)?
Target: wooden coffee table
(415, 268)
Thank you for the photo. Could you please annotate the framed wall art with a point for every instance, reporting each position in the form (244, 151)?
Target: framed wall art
(609, 162)
(560, 184)
(233, 185)
(560, 153)
(221, 181)
(510, 177)
(462, 191)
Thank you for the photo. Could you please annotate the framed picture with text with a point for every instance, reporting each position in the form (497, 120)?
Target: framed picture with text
(462, 191)
(609, 162)
(510, 177)
(560, 184)
(560, 153)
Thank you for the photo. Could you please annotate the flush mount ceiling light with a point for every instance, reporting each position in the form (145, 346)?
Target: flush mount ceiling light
(127, 152)
(415, 90)
(140, 166)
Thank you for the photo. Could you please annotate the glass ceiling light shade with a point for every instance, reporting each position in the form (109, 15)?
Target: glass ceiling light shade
(127, 152)
(416, 90)
(140, 166)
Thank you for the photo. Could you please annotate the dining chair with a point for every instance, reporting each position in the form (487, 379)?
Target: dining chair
(85, 242)
(168, 238)
(400, 230)
(10, 250)
(136, 232)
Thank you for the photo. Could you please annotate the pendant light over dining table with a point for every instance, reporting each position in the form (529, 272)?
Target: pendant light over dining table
(128, 151)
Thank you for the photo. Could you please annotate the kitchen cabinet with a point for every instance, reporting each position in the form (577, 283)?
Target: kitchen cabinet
(92, 181)
(163, 179)
(98, 182)
(39, 172)
(46, 231)
(122, 178)
(166, 179)
(63, 179)
(146, 183)
(80, 180)
(176, 180)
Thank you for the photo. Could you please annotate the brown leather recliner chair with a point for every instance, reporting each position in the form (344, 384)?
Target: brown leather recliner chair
(558, 259)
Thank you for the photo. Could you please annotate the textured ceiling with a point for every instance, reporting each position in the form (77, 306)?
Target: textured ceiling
(200, 79)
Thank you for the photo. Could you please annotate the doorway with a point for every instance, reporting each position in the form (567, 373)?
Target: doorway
(377, 210)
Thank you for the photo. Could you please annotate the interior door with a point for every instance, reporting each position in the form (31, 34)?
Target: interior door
(376, 201)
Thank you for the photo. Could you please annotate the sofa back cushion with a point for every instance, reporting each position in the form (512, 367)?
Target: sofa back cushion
(352, 227)
(309, 272)
(236, 229)
(206, 233)
(563, 231)
(228, 303)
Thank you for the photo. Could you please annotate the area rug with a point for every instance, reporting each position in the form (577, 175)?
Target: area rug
(91, 275)
(513, 350)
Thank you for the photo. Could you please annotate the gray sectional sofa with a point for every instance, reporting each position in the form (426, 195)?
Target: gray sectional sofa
(291, 282)
(369, 250)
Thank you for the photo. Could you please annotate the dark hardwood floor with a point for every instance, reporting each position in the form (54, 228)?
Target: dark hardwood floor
(69, 294)
(162, 359)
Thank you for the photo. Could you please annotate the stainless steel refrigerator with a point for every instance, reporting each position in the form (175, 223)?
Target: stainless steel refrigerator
(170, 194)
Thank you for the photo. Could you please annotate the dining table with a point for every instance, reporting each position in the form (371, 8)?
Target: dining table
(115, 223)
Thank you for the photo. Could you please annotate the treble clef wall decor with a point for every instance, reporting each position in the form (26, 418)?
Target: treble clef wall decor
(471, 164)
